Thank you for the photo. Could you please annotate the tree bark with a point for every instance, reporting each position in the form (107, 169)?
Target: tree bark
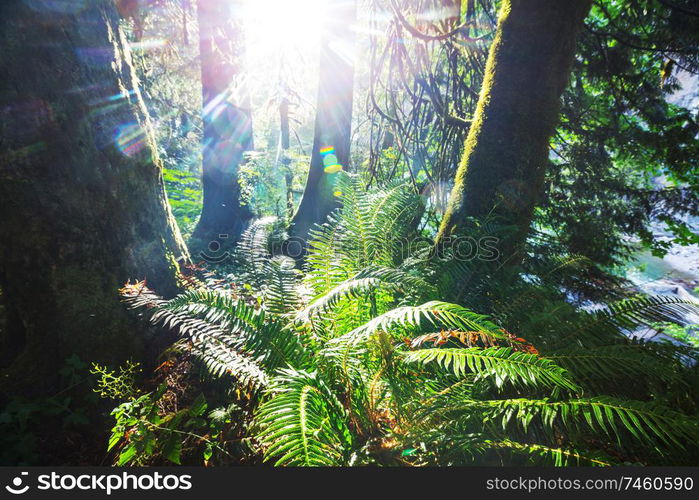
(82, 202)
(285, 159)
(333, 121)
(227, 121)
(506, 151)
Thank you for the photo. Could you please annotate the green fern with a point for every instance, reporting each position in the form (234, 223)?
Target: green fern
(501, 363)
(648, 423)
(601, 365)
(338, 360)
(252, 252)
(280, 292)
(434, 314)
(627, 316)
(209, 342)
(367, 280)
(559, 457)
(369, 230)
(302, 423)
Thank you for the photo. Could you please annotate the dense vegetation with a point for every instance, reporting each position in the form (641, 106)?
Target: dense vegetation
(419, 255)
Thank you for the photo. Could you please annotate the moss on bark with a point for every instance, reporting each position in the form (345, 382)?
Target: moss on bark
(82, 202)
(506, 150)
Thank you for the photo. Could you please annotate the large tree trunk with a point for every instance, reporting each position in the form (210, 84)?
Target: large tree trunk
(82, 203)
(506, 151)
(333, 122)
(227, 122)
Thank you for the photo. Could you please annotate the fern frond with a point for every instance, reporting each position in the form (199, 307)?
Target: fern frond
(217, 327)
(245, 328)
(221, 360)
(648, 423)
(324, 267)
(369, 230)
(559, 457)
(645, 311)
(630, 314)
(252, 252)
(138, 296)
(501, 363)
(363, 282)
(280, 291)
(302, 423)
(210, 343)
(346, 290)
(629, 359)
(278, 346)
(219, 307)
(434, 314)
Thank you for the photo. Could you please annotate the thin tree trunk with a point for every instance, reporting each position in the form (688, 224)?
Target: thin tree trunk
(227, 121)
(285, 160)
(82, 202)
(333, 122)
(506, 151)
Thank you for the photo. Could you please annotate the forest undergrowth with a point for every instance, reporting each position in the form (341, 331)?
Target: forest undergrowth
(371, 356)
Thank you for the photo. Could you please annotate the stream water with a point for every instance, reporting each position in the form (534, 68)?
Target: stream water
(677, 273)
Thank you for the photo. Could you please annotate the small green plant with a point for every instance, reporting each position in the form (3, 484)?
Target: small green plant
(119, 385)
(144, 434)
(62, 413)
(185, 197)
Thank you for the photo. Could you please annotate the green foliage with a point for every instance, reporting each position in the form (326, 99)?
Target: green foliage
(356, 363)
(141, 434)
(303, 423)
(118, 385)
(371, 229)
(624, 154)
(280, 290)
(267, 180)
(686, 333)
(209, 343)
(27, 423)
(185, 197)
(618, 419)
(381, 349)
(559, 457)
(499, 363)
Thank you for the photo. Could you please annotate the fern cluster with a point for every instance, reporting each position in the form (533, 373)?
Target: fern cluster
(355, 361)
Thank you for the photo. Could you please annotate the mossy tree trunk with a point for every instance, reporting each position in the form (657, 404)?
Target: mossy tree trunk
(506, 152)
(82, 202)
(333, 121)
(227, 121)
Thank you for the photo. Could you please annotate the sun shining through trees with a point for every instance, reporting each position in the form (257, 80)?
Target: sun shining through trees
(260, 58)
(349, 232)
(282, 26)
(282, 43)
(282, 53)
(282, 48)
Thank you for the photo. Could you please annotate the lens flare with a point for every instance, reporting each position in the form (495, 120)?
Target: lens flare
(130, 139)
(148, 44)
(332, 169)
(330, 162)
